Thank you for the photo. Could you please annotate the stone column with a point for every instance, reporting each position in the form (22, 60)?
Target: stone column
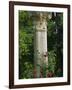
(40, 43)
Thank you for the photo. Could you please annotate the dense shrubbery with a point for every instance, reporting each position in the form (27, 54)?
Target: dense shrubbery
(26, 47)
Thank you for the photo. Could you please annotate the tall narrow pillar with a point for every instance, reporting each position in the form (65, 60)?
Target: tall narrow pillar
(40, 44)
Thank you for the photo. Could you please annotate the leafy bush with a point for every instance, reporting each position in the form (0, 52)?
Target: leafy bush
(51, 61)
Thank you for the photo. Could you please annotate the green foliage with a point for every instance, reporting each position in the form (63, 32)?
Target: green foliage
(25, 46)
(27, 71)
(24, 19)
(51, 61)
(55, 45)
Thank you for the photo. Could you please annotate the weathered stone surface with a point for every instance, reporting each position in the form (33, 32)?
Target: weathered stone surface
(40, 43)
